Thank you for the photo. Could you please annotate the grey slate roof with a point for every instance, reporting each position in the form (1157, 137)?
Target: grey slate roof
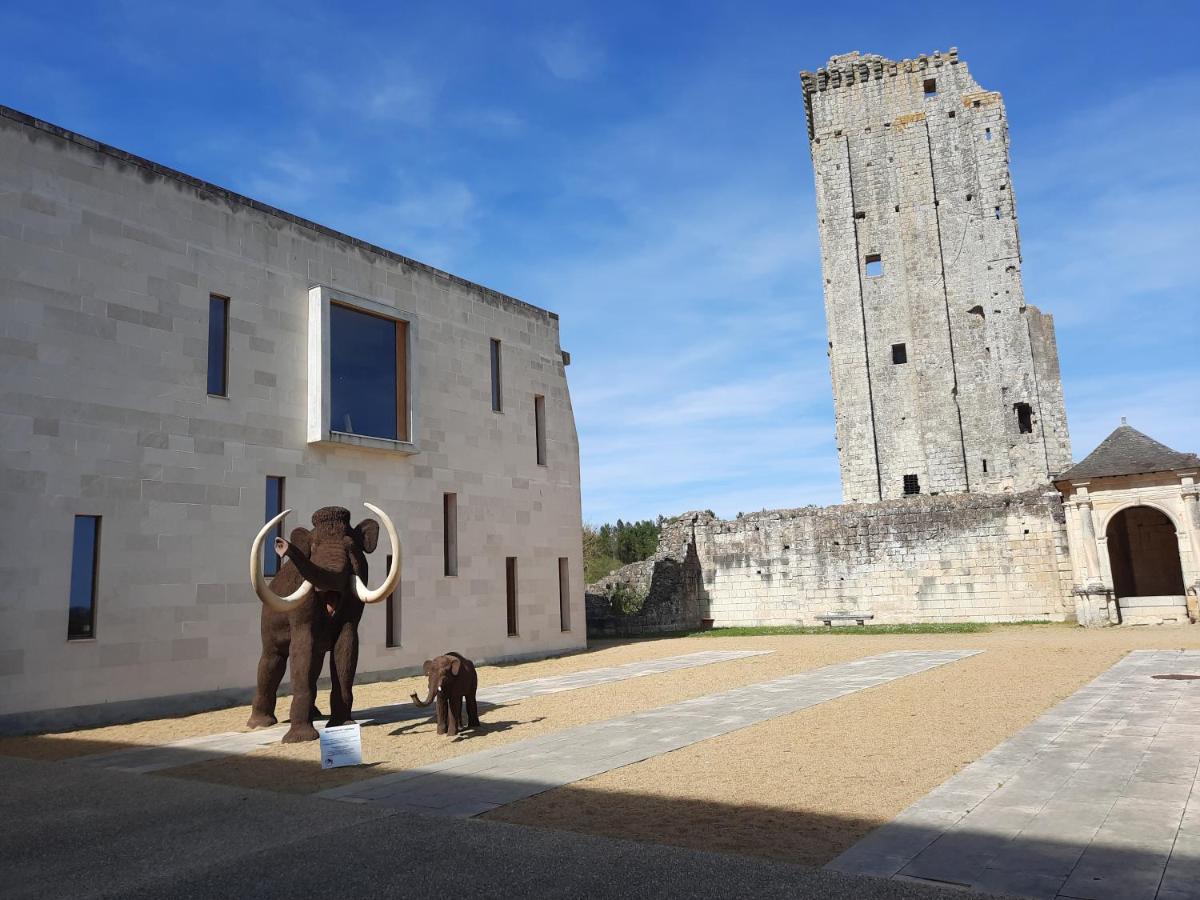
(1129, 452)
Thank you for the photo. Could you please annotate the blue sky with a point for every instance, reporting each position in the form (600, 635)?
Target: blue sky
(643, 170)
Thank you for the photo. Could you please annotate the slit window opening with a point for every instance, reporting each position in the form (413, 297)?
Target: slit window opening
(985, 467)
(85, 557)
(874, 264)
(218, 346)
(450, 534)
(274, 506)
(539, 427)
(930, 87)
(391, 635)
(564, 594)
(987, 134)
(497, 395)
(912, 485)
(899, 354)
(510, 592)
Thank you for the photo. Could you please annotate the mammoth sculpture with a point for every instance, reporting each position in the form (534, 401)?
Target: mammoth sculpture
(452, 679)
(313, 606)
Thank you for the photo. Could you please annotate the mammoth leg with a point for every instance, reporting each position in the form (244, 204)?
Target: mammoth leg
(271, 666)
(342, 667)
(441, 712)
(305, 661)
(472, 707)
(453, 713)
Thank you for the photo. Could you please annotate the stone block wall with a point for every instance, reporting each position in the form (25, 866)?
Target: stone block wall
(968, 557)
(107, 262)
(920, 248)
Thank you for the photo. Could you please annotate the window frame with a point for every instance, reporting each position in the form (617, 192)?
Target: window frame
(320, 377)
(511, 596)
(95, 577)
(223, 302)
(496, 370)
(271, 560)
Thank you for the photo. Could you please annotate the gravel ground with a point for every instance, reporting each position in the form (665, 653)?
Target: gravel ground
(800, 788)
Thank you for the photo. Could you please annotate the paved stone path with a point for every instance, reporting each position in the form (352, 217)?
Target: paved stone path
(1099, 798)
(233, 743)
(477, 782)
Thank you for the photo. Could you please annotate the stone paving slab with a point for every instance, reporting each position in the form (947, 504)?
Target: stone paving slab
(234, 743)
(1099, 798)
(477, 782)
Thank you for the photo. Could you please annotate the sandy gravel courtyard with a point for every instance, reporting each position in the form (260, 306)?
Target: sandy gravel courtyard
(800, 788)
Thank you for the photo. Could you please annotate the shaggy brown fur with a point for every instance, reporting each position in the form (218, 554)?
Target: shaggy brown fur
(452, 679)
(328, 556)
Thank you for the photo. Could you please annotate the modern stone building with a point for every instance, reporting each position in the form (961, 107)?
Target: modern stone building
(944, 380)
(178, 362)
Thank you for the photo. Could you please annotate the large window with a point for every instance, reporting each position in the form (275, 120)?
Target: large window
(81, 619)
(274, 506)
(362, 375)
(218, 346)
(368, 370)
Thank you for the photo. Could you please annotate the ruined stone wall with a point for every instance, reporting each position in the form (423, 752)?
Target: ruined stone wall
(912, 177)
(971, 557)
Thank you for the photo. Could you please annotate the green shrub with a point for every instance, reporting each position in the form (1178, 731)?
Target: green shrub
(627, 599)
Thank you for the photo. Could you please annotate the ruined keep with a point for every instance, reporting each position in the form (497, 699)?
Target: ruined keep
(944, 380)
(948, 401)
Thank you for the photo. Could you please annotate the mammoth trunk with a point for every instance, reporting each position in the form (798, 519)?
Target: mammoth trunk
(427, 700)
(320, 577)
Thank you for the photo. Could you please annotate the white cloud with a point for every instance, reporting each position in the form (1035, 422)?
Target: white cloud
(570, 54)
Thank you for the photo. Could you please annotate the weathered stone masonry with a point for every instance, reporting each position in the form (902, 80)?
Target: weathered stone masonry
(948, 400)
(940, 370)
(971, 557)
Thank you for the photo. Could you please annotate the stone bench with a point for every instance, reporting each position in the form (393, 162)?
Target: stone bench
(828, 619)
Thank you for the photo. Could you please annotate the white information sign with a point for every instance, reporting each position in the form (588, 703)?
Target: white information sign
(341, 746)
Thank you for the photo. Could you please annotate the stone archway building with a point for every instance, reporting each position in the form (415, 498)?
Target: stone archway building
(1133, 522)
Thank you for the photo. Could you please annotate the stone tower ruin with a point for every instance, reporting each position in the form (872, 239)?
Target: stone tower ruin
(944, 380)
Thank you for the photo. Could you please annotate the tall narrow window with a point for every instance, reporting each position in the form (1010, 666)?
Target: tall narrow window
(271, 559)
(368, 364)
(564, 594)
(874, 264)
(1024, 417)
(85, 553)
(391, 636)
(218, 345)
(450, 534)
(497, 395)
(912, 484)
(539, 427)
(510, 592)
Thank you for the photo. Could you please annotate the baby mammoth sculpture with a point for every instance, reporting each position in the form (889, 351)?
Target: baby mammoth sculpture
(313, 606)
(452, 680)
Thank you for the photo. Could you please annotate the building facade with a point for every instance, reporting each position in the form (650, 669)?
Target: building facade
(944, 380)
(1133, 516)
(180, 361)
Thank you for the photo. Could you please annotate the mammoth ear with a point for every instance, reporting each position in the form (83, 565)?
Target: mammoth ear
(455, 666)
(428, 667)
(301, 537)
(366, 533)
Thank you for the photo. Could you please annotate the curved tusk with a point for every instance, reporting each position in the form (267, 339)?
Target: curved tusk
(393, 577)
(265, 594)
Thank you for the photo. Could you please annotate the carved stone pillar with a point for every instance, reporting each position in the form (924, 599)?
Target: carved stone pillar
(1091, 549)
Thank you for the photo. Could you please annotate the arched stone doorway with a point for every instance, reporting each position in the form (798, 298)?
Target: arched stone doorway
(1143, 552)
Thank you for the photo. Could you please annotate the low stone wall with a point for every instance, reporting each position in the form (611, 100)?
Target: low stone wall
(672, 580)
(950, 558)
